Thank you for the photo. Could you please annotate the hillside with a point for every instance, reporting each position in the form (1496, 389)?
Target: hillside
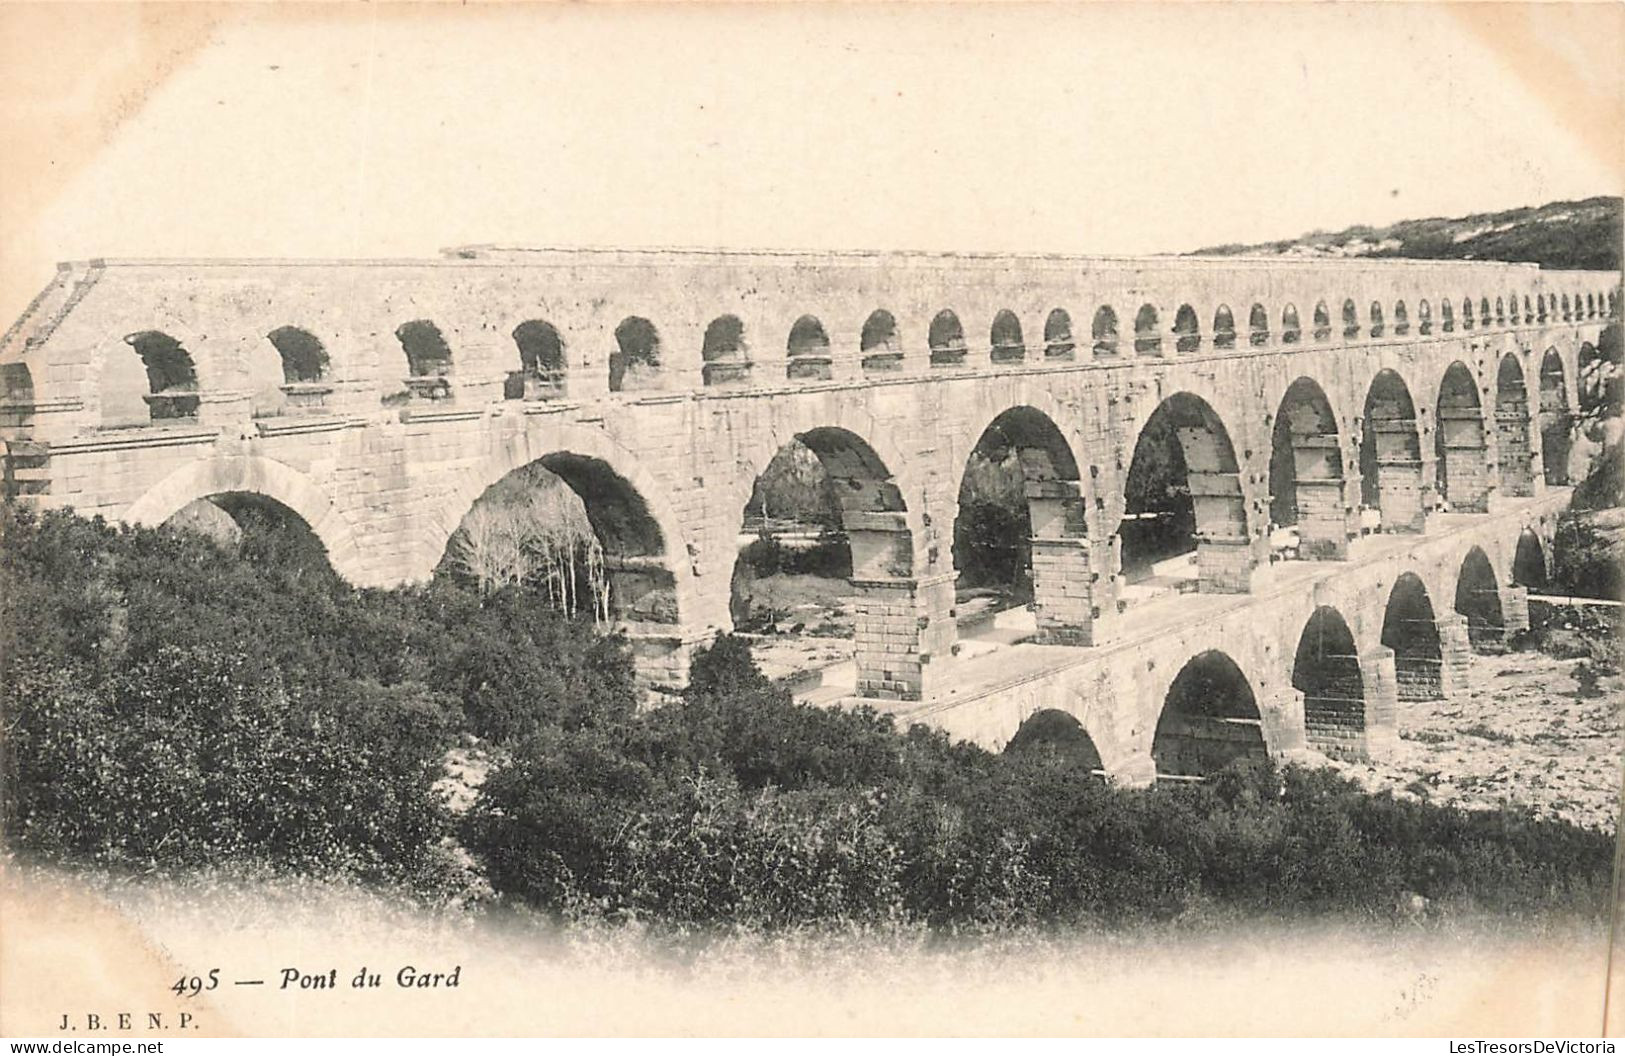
(1584, 234)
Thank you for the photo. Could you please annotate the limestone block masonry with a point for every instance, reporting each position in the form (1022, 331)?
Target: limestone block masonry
(378, 399)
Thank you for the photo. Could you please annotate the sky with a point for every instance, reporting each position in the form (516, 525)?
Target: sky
(396, 130)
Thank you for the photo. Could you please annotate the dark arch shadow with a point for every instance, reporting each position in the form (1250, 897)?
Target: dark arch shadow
(1410, 628)
(1391, 456)
(1306, 472)
(1326, 668)
(1209, 719)
(1479, 600)
(1054, 734)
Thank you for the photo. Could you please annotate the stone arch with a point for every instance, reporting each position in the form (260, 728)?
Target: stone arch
(1447, 315)
(257, 475)
(1351, 320)
(1512, 429)
(1054, 511)
(1004, 338)
(1051, 730)
(427, 353)
(1556, 421)
(635, 363)
(1461, 453)
(1209, 719)
(1424, 317)
(1530, 566)
(1512, 308)
(1591, 306)
(879, 345)
(1467, 322)
(1485, 319)
(1058, 342)
(1323, 322)
(1410, 627)
(1376, 324)
(894, 632)
(1326, 669)
(1478, 598)
(1541, 307)
(304, 360)
(1291, 328)
(1103, 331)
(1224, 328)
(1500, 311)
(541, 362)
(1528, 310)
(614, 485)
(1391, 456)
(1567, 312)
(1147, 336)
(1187, 331)
(807, 355)
(947, 339)
(1402, 319)
(1184, 486)
(724, 352)
(1306, 472)
(1258, 326)
(172, 381)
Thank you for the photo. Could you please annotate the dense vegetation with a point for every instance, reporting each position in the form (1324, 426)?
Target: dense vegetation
(169, 703)
(1583, 235)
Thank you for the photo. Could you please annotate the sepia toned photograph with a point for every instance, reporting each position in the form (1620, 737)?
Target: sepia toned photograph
(788, 520)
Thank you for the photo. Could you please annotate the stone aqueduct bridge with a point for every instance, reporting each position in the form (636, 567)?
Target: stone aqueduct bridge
(379, 399)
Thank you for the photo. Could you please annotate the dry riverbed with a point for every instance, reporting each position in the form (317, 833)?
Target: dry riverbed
(1522, 735)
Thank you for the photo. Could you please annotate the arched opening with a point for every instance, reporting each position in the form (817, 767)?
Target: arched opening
(1459, 446)
(1377, 326)
(792, 576)
(1323, 322)
(1411, 629)
(1512, 429)
(1594, 376)
(1591, 307)
(1183, 494)
(1351, 320)
(1209, 719)
(1004, 337)
(1500, 311)
(1555, 421)
(260, 530)
(1529, 562)
(1147, 339)
(807, 355)
(1479, 599)
(1058, 343)
(1528, 310)
(1567, 314)
(1326, 669)
(1447, 316)
(1402, 320)
(1187, 332)
(830, 488)
(172, 389)
(878, 344)
(947, 340)
(1484, 317)
(428, 360)
(1258, 326)
(1053, 734)
(1224, 328)
(304, 360)
(1020, 535)
(1512, 309)
(576, 531)
(1540, 307)
(541, 362)
(723, 352)
(1291, 329)
(635, 363)
(1391, 456)
(1467, 313)
(1424, 318)
(1306, 476)
(1103, 331)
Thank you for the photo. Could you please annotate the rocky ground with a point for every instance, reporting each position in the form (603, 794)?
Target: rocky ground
(1525, 734)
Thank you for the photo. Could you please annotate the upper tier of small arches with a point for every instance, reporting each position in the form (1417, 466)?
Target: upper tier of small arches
(753, 348)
